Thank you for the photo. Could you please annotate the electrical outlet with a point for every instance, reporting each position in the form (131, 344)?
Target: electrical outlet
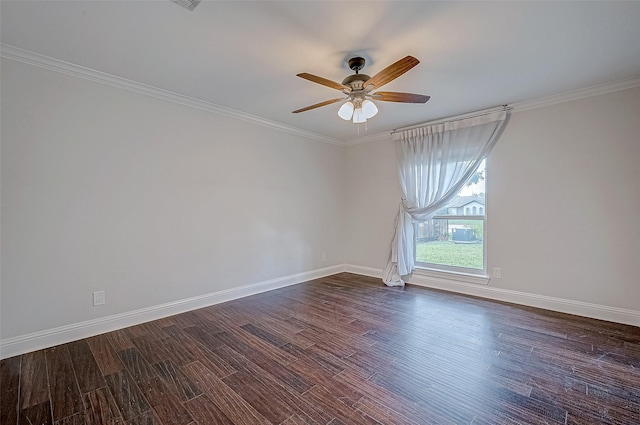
(497, 272)
(99, 298)
(324, 256)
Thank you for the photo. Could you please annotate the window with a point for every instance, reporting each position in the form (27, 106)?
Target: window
(453, 240)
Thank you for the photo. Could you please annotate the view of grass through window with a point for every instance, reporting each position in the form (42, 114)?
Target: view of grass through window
(468, 254)
(455, 236)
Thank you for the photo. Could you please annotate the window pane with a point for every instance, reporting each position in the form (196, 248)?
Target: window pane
(470, 200)
(453, 239)
(451, 242)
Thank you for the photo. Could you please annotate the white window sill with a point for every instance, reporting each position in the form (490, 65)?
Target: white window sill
(451, 276)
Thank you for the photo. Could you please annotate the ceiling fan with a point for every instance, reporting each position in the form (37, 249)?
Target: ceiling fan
(358, 89)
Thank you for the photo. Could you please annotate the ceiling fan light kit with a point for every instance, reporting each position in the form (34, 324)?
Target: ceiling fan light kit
(346, 111)
(369, 109)
(359, 110)
(358, 116)
(358, 89)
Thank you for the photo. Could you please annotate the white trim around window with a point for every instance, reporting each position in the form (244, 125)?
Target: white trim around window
(449, 276)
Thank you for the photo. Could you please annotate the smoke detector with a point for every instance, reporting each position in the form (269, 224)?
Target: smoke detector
(187, 4)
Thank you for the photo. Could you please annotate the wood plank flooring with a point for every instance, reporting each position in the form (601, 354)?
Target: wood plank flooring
(339, 350)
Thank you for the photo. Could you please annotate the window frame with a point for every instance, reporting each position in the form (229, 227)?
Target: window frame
(443, 269)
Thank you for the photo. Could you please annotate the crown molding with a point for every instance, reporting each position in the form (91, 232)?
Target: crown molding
(610, 87)
(42, 61)
(46, 62)
(542, 102)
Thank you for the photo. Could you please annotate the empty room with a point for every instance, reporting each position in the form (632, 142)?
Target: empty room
(319, 212)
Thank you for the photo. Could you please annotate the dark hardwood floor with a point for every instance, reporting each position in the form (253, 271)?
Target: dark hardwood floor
(339, 350)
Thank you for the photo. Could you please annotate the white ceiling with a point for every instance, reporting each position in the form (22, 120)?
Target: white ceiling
(245, 55)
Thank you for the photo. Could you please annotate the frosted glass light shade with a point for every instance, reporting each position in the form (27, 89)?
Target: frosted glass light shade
(358, 116)
(369, 109)
(346, 111)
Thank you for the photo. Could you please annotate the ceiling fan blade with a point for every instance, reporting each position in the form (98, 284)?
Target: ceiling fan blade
(392, 96)
(324, 82)
(392, 72)
(317, 105)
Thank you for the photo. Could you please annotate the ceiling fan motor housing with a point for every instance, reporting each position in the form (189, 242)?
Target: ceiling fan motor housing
(356, 81)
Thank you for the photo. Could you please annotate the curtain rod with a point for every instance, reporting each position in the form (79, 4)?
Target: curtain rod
(456, 117)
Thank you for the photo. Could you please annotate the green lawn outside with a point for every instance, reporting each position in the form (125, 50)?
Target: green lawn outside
(451, 254)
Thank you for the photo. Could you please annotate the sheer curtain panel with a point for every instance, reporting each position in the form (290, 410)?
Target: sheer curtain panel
(434, 162)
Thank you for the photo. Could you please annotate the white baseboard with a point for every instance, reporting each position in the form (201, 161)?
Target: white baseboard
(364, 271)
(50, 337)
(595, 311)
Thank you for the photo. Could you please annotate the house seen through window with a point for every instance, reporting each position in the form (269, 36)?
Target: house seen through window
(453, 240)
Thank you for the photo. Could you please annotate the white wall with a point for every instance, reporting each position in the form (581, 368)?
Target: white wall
(154, 202)
(151, 201)
(373, 198)
(563, 203)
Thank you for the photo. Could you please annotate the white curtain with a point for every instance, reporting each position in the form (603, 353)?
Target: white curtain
(434, 163)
